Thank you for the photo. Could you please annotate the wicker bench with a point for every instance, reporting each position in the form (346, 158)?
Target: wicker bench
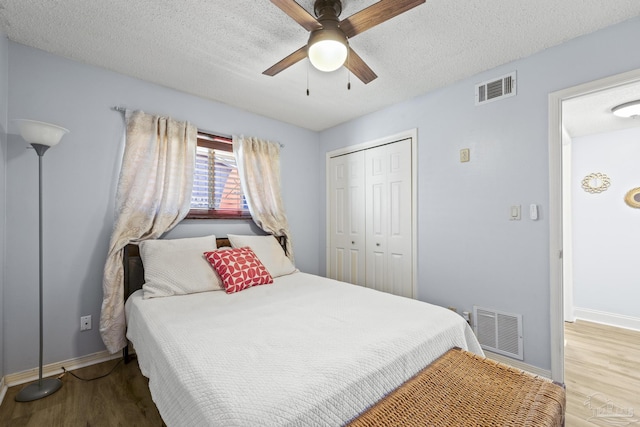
(464, 389)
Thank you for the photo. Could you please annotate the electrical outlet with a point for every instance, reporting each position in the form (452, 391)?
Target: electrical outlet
(85, 323)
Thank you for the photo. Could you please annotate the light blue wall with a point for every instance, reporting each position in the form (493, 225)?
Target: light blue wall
(4, 72)
(80, 175)
(605, 229)
(469, 253)
(468, 250)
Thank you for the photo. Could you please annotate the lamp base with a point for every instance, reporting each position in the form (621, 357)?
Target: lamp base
(38, 390)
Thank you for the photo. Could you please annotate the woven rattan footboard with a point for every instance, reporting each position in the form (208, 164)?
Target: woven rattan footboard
(464, 389)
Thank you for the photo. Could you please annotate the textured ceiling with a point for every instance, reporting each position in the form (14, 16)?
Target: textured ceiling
(591, 114)
(218, 49)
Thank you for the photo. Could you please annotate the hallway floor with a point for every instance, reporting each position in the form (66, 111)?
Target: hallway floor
(602, 375)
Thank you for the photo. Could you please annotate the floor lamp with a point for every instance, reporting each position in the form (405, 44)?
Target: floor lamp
(41, 136)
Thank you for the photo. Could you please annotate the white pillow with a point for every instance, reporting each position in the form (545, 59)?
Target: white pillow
(178, 267)
(268, 250)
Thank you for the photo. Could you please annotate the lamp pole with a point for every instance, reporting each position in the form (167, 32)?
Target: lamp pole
(36, 132)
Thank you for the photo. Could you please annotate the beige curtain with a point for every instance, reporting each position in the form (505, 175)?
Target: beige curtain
(259, 169)
(153, 195)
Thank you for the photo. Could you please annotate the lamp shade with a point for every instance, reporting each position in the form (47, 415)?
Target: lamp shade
(629, 109)
(35, 132)
(327, 49)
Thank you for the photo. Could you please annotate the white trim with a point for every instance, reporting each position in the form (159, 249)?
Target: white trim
(327, 203)
(519, 365)
(567, 228)
(555, 206)
(3, 390)
(413, 135)
(414, 208)
(56, 368)
(556, 317)
(612, 319)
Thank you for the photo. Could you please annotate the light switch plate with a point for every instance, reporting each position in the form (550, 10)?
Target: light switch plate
(465, 154)
(514, 213)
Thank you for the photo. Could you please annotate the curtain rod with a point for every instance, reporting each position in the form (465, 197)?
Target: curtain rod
(123, 110)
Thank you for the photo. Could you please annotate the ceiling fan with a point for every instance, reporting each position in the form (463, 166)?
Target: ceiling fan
(328, 46)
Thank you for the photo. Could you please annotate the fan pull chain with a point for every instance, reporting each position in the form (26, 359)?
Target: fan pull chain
(348, 70)
(308, 77)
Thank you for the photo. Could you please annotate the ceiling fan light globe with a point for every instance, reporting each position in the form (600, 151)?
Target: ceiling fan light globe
(327, 55)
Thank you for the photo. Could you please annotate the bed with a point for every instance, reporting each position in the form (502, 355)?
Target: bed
(302, 351)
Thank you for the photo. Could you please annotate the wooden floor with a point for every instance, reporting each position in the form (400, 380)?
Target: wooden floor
(120, 399)
(602, 375)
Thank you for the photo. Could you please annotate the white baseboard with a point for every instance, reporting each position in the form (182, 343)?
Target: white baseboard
(619, 320)
(56, 368)
(3, 390)
(518, 364)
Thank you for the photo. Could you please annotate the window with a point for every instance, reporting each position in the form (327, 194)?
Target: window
(217, 192)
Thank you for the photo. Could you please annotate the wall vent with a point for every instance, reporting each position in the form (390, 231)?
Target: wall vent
(499, 332)
(492, 90)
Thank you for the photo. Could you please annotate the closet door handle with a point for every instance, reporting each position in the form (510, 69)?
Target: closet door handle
(377, 244)
(353, 243)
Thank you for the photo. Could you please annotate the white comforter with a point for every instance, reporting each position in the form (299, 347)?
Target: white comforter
(304, 351)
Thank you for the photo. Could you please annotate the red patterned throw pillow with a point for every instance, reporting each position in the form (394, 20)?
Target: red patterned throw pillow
(239, 269)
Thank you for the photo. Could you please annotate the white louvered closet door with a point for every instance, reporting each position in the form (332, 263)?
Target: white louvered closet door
(347, 218)
(388, 193)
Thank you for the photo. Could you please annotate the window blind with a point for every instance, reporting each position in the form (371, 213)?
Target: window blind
(216, 183)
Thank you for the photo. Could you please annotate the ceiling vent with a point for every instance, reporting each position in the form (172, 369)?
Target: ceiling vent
(499, 332)
(492, 90)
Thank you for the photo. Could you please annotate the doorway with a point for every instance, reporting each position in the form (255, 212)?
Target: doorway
(559, 223)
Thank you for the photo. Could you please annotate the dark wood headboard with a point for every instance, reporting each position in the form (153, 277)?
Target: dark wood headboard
(134, 271)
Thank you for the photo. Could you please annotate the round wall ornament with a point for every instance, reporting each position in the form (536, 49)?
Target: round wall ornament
(596, 183)
(632, 198)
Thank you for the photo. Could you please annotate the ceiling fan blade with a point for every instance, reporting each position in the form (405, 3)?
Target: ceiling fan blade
(287, 62)
(359, 68)
(298, 14)
(376, 14)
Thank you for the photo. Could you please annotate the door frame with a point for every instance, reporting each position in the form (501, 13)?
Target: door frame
(555, 206)
(411, 133)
